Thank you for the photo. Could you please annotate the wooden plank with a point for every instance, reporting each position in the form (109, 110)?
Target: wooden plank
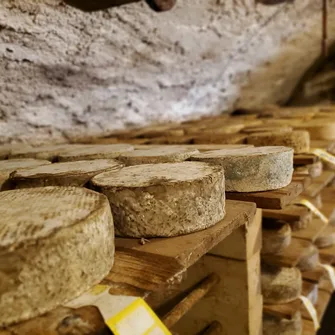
(186, 250)
(291, 255)
(305, 159)
(327, 255)
(277, 199)
(286, 311)
(290, 214)
(312, 231)
(319, 183)
(314, 275)
(308, 328)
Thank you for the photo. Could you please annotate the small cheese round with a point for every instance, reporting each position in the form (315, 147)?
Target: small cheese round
(319, 129)
(163, 154)
(162, 200)
(309, 259)
(280, 285)
(276, 237)
(63, 174)
(56, 243)
(252, 169)
(274, 325)
(96, 151)
(299, 141)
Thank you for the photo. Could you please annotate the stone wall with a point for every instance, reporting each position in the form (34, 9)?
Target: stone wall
(66, 74)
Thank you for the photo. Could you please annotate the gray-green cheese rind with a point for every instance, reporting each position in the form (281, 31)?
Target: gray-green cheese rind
(163, 200)
(162, 154)
(55, 244)
(63, 174)
(252, 169)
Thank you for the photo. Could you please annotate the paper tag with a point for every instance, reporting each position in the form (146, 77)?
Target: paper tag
(311, 310)
(331, 273)
(315, 211)
(324, 155)
(123, 315)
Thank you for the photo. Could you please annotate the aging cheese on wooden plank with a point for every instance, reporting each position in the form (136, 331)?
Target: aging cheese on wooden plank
(276, 237)
(274, 325)
(170, 199)
(63, 174)
(326, 238)
(267, 129)
(299, 141)
(252, 169)
(162, 154)
(90, 152)
(309, 259)
(9, 166)
(319, 129)
(49, 152)
(280, 285)
(56, 243)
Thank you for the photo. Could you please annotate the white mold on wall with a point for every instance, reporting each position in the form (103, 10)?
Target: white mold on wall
(66, 74)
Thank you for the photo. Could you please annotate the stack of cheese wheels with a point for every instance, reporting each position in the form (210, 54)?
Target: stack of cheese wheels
(163, 200)
(299, 141)
(162, 154)
(252, 169)
(280, 285)
(319, 129)
(56, 243)
(90, 152)
(275, 325)
(277, 236)
(9, 166)
(63, 174)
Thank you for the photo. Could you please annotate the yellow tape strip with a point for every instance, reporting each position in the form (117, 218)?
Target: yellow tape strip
(124, 322)
(331, 273)
(324, 155)
(315, 211)
(311, 310)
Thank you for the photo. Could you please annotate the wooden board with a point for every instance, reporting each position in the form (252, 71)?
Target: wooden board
(314, 275)
(186, 250)
(308, 328)
(305, 159)
(290, 214)
(277, 199)
(312, 231)
(327, 255)
(319, 183)
(290, 256)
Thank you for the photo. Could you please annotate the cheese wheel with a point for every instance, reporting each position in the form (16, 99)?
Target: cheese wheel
(318, 129)
(326, 238)
(299, 141)
(267, 129)
(276, 237)
(170, 199)
(9, 166)
(252, 169)
(280, 285)
(309, 259)
(275, 325)
(63, 174)
(97, 151)
(56, 243)
(49, 152)
(162, 154)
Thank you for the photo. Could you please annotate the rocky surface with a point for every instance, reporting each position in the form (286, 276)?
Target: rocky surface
(66, 74)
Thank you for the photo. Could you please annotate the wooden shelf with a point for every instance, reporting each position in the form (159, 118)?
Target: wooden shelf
(142, 270)
(312, 231)
(319, 183)
(290, 214)
(277, 199)
(305, 159)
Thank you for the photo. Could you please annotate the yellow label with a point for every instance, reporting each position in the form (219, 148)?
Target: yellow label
(137, 319)
(324, 155)
(315, 211)
(311, 310)
(331, 273)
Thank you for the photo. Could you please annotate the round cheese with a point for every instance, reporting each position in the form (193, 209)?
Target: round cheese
(275, 325)
(276, 237)
(319, 129)
(56, 243)
(280, 285)
(299, 141)
(163, 154)
(252, 169)
(170, 199)
(63, 174)
(309, 259)
(90, 152)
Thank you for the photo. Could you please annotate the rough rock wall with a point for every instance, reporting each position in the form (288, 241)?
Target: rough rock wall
(65, 74)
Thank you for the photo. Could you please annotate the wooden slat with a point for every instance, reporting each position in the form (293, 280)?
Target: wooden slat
(312, 231)
(305, 159)
(319, 183)
(314, 275)
(290, 214)
(277, 199)
(186, 250)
